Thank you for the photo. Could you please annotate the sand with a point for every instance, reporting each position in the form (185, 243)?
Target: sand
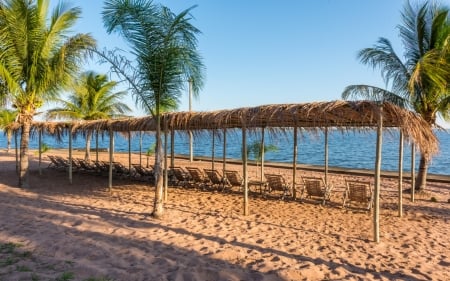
(81, 231)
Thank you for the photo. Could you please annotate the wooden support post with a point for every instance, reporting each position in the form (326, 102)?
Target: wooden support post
(224, 163)
(413, 172)
(129, 152)
(294, 165)
(376, 213)
(244, 163)
(140, 148)
(40, 152)
(172, 148)
(326, 156)
(262, 155)
(213, 149)
(111, 149)
(70, 154)
(166, 171)
(96, 146)
(400, 176)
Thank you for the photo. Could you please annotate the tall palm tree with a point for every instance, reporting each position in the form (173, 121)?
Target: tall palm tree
(420, 82)
(165, 48)
(37, 59)
(92, 98)
(7, 117)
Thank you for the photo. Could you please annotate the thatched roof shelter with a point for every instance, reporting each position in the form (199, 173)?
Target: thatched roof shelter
(344, 115)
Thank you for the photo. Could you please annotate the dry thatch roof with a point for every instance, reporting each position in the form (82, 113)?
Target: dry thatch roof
(318, 115)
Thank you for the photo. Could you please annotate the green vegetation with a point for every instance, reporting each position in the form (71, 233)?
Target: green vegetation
(165, 47)
(420, 81)
(38, 59)
(92, 98)
(7, 118)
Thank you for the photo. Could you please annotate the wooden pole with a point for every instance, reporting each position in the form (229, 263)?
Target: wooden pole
(376, 213)
(129, 151)
(166, 171)
(111, 149)
(413, 172)
(294, 165)
(400, 176)
(40, 152)
(244, 163)
(262, 154)
(191, 145)
(172, 148)
(213, 149)
(224, 163)
(96, 146)
(140, 148)
(16, 147)
(326, 156)
(70, 154)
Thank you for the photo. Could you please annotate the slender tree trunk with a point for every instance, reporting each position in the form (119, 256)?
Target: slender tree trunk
(158, 208)
(421, 181)
(24, 142)
(8, 138)
(87, 155)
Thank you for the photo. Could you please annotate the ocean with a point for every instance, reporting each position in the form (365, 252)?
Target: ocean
(346, 149)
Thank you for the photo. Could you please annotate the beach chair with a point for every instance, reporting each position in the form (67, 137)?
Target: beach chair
(233, 178)
(180, 177)
(87, 166)
(316, 187)
(277, 183)
(143, 173)
(216, 179)
(53, 163)
(359, 192)
(198, 177)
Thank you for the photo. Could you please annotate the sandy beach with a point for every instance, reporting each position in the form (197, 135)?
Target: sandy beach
(82, 231)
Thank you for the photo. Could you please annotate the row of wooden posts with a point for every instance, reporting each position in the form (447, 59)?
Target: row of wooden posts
(376, 213)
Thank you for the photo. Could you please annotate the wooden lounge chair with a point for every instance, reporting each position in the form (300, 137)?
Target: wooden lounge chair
(143, 173)
(359, 192)
(216, 179)
(277, 183)
(233, 178)
(198, 177)
(180, 177)
(315, 187)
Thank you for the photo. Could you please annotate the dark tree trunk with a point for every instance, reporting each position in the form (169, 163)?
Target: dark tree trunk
(87, 155)
(421, 181)
(24, 141)
(158, 208)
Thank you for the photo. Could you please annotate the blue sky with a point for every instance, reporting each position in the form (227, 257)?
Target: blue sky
(267, 51)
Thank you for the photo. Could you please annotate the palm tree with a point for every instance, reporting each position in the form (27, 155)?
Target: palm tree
(420, 82)
(92, 98)
(38, 57)
(165, 48)
(7, 117)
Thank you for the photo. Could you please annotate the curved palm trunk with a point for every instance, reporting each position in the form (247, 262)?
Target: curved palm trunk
(421, 181)
(87, 155)
(24, 142)
(158, 207)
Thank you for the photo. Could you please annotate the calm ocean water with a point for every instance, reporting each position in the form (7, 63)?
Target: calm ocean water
(348, 150)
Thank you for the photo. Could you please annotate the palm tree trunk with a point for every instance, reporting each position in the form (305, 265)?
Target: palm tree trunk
(158, 208)
(87, 155)
(421, 181)
(24, 142)
(8, 138)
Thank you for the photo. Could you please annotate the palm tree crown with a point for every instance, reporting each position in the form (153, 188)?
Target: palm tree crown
(91, 99)
(38, 57)
(165, 47)
(420, 81)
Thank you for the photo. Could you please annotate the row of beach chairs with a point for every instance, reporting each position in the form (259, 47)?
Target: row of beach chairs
(102, 168)
(356, 192)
